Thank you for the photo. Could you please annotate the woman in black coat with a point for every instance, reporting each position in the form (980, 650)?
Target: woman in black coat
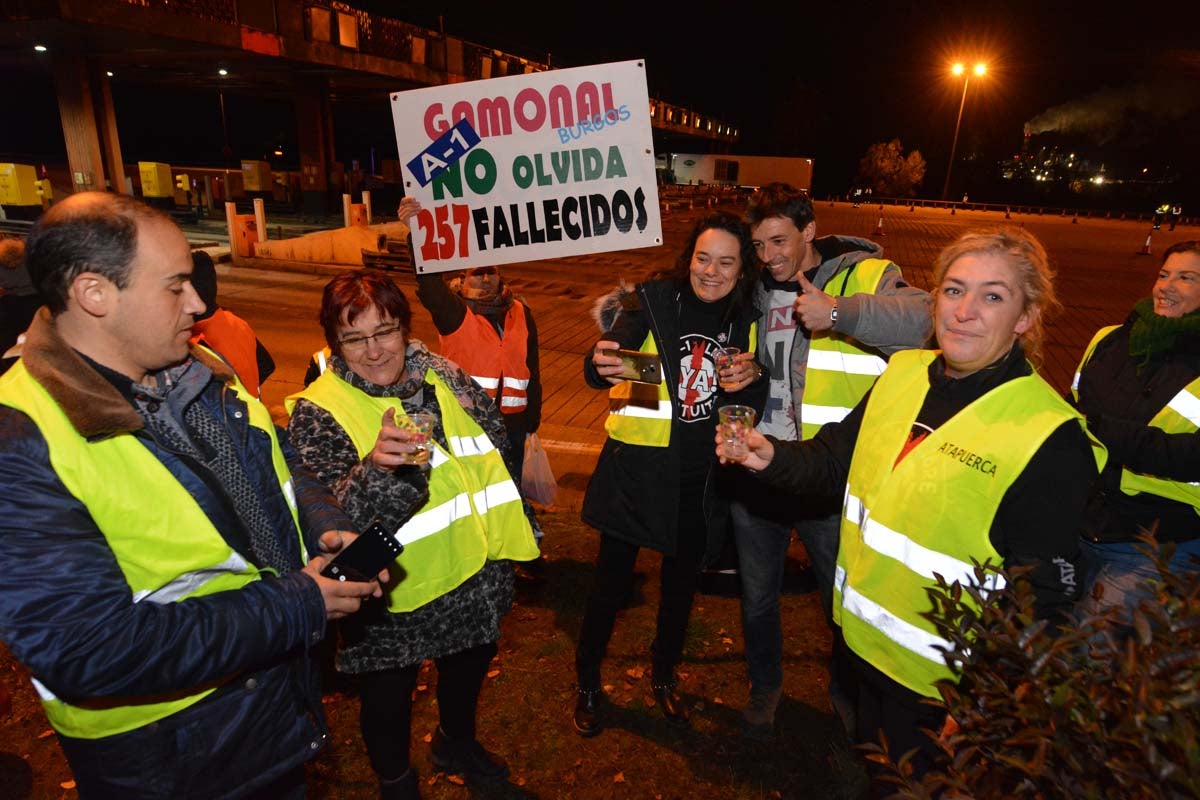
(655, 483)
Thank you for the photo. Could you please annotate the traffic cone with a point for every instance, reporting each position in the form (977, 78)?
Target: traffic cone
(1145, 251)
(879, 227)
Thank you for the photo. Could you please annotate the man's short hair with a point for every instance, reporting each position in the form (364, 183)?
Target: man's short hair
(780, 200)
(88, 232)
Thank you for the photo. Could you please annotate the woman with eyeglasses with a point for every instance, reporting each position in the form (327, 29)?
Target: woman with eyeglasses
(450, 500)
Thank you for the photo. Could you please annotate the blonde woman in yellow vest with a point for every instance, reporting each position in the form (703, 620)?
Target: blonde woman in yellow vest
(459, 515)
(163, 544)
(1139, 386)
(656, 484)
(959, 453)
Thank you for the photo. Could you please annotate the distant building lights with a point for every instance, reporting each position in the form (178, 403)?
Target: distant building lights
(108, 72)
(41, 48)
(222, 72)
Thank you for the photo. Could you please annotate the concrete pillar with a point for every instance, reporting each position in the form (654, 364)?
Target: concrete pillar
(260, 218)
(78, 114)
(345, 211)
(314, 129)
(114, 167)
(366, 198)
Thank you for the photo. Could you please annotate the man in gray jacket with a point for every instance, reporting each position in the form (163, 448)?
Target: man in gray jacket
(833, 310)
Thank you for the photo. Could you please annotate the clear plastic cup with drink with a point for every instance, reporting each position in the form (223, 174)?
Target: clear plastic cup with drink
(736, 422)
(724, 362)
(420, 428)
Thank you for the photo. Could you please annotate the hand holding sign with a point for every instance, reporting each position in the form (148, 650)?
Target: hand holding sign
(813, 308)
(409, 208)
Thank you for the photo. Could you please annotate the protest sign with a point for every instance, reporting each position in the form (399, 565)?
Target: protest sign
(527, 167)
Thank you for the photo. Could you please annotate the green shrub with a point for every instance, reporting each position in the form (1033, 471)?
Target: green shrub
(1090, 708)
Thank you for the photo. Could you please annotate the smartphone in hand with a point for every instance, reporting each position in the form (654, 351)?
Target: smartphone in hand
(365, 557)
(638, 366)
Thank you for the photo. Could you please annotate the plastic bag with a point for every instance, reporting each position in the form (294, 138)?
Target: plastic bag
(537, 479)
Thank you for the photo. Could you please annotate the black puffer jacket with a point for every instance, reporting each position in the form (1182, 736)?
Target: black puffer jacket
(634, 491)
(1119, 399)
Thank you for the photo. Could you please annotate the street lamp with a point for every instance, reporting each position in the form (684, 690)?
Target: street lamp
(959, 69)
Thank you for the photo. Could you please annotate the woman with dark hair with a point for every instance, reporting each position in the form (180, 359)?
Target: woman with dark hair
(451, 502)
(958, 454)
(654, 484)
(1139, 386)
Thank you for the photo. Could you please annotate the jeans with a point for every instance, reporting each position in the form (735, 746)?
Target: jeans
(762, 546)
(1124, 573)
(820, 537)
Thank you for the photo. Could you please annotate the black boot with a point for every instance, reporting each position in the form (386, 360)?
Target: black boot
(467, 758)
(587, 711)
(403, 788)
(669, 701)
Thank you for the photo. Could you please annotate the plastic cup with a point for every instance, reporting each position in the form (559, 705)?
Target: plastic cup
(420, 425)
(724, 361)
(735, 423)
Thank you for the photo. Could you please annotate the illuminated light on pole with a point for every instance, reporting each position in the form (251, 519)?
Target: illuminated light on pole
(958, 69)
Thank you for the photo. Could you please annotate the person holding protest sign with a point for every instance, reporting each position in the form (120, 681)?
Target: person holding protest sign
(655, 484)
(491, 334)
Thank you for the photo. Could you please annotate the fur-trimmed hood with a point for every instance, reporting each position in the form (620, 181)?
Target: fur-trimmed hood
(607, 308)
(91, 403)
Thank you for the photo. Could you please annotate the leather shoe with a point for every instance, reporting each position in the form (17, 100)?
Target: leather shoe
(587, 711)
(671, 704)
(467, 758)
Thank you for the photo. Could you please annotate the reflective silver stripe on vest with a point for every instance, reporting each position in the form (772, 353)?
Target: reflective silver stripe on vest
(439, 518)
(289, 493)
(486, 383)
(662, 411)
(1075, 383)
(496, 495)
(516, 383)
(320, 356)
(903, 633)
(433, 520)
(510, 402)
(189, 582)
(471, 445)
(916, 557)
(42, 691)
(1186, 405)
(819, 415)
(850, 363)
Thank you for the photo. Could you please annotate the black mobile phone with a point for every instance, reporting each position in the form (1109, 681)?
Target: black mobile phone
(362, 560)
(638, 366)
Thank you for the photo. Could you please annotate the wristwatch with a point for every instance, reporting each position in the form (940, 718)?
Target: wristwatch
(833, 312)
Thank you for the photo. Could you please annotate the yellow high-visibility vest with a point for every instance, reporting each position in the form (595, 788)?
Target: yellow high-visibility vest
(166, 546)
(474, 512)
(931, 513)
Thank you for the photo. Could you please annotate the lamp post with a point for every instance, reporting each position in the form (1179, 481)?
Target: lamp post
(959, 69)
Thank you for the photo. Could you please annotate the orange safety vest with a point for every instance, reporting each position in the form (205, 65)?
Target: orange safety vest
(234, 340)
(498, 364)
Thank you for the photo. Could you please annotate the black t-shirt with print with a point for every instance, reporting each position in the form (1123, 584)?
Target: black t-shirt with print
(703, 330)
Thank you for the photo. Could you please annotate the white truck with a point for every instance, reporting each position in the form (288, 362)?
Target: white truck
(726, 169)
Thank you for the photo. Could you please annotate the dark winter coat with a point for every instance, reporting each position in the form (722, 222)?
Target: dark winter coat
(66, 610)
(1119, 398)
(634, 491)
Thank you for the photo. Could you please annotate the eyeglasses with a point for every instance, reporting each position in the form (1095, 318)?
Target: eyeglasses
(354, 344)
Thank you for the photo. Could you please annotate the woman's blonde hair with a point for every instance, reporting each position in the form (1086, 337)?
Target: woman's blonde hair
(1034, 275)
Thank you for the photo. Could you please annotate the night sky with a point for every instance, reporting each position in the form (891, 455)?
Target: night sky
(827, 79)
(819, 80)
